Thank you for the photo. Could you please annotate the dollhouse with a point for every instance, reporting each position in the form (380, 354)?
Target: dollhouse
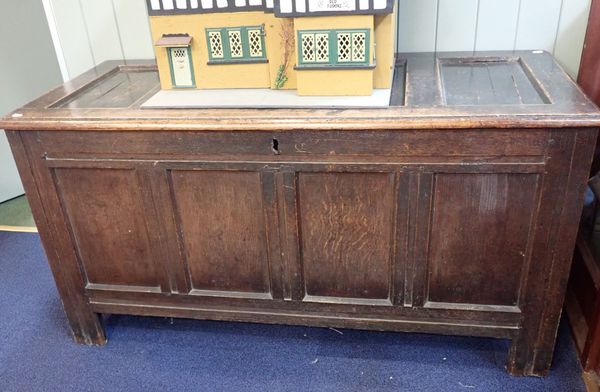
(317, 47)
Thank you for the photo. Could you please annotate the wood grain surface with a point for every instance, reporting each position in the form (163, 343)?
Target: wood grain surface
(222, 229)
(346, 222)
(425, 217)
(466, 267)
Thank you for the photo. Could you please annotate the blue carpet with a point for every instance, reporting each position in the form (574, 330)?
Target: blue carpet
(151, 354)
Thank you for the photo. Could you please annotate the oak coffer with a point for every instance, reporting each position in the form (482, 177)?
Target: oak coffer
(453, 211)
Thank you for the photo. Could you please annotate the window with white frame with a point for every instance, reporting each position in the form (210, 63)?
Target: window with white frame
(333, 47)
(236, 44)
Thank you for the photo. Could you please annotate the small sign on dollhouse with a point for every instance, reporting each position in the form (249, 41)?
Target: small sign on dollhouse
(332, 5)
(275, 52)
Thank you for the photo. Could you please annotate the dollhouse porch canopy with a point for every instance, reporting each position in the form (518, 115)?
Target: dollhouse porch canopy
(174, 40)
(281, 8)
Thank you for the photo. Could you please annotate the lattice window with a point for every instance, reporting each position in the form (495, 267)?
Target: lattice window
(315, 48)
(322, 48)
(216, 44)
(308, 48)
(236, 49)
(359, 47)
(179, 54)
(333, 47)
(236, 44)
(255, 42)
(344, 45)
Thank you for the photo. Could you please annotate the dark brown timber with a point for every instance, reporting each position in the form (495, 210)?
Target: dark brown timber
(453, 211)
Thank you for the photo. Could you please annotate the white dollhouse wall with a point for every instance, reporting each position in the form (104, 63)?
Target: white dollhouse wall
(91, 31)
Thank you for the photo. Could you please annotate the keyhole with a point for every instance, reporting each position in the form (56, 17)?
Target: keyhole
(275, 146)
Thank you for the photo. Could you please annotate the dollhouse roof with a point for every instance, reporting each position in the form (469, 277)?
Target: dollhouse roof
(282, 8)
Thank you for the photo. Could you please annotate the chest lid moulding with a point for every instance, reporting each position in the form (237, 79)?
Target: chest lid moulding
(316, 47)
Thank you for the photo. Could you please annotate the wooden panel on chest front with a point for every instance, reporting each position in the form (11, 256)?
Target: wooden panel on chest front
(346, 230)
(108, 220)
(480, 237)
(222, 230)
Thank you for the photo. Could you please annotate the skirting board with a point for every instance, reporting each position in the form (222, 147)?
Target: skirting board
(19, 229)
(261, 99)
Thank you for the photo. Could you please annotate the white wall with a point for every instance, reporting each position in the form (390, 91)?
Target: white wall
(92, 31)
(557, 26)
(24, 46)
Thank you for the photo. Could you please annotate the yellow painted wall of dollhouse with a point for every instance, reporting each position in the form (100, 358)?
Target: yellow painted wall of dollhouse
(336, 81)
(273, 40)
(221, 75)
(385, 33)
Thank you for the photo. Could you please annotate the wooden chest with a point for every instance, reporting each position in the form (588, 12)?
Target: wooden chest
(454, 211)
